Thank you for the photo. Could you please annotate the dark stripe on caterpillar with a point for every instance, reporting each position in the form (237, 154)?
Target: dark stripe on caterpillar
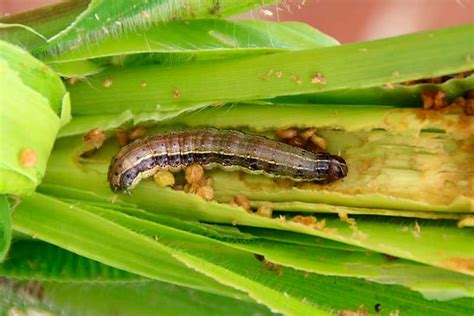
(228, 149)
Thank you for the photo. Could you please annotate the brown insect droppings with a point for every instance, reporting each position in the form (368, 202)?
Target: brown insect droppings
(417, 227)
(267, 75)
(296, 79)
(143, 84)
(191, 188)
(346, 219)
(318, 78)
(107, 83)
(122, 136)
(164, 178)
(242, 201)
(306, 134)
(351, 313)
(389, 86)
(347, 313)
(194, 173)
(469, 105)
(95, 137)
(343, 216)
(306, 139)
(197, 183)
(286, 133)
(459, 102)
(319, 142)
(417, 231)
(356, 233)
(136, 133)
(363, 311)
(434, 100)
(72, 80)
(273, 267)
(176, 93)
(313, 147)
(305, 220)
(206, 192)
(467, 221)
(321, 225)
(28, 158)
(205, 182)
(265, 211)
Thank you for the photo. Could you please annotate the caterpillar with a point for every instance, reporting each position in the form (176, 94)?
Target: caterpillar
(228, 149)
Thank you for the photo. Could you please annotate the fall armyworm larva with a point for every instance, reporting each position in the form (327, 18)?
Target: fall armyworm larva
(229, 149)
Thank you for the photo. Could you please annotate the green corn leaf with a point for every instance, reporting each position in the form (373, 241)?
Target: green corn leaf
(34, 104)
(131, 298)
(35, 260)
(45, 21)
(24, 219)
(5, 227)
(77, 69)
(183, 87)
(188, 41)
(225, 271)
(332, 258)
(86, 234)
(105, 18)
(241, 270)
(202, 39)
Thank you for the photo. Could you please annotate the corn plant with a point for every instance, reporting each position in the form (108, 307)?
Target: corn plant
(394, 237)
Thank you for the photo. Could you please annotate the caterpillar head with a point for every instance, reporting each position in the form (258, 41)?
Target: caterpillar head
(337, 168)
